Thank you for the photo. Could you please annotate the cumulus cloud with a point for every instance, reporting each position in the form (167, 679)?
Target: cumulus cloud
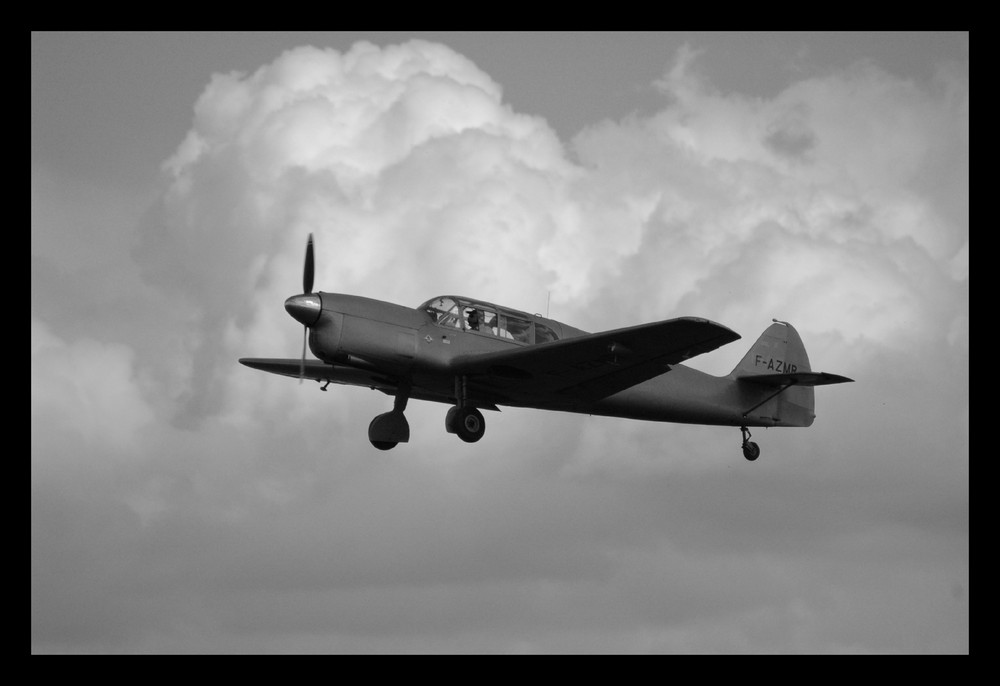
(405, 160)
(781, 201)
(401, 160)
(418, 179)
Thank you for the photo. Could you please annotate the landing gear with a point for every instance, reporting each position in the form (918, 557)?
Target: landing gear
(467, 422)
(390, 429)
(464, 420)
(751, 450)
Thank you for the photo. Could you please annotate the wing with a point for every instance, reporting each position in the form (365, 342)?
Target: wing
(321, 371)
(349, 376)
(313, 369)
(593, 366)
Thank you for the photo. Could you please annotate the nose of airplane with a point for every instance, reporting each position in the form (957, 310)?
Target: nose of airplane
(304, 308)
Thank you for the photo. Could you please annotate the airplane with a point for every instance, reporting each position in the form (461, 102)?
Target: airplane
(475, 356)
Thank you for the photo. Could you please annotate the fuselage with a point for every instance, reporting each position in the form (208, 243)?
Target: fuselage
(422, 344)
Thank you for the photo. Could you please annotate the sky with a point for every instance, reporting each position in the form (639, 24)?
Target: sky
(183, 503)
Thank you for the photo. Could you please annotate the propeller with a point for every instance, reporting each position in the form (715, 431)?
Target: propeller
(302, 364)
(308, 269)
(305, 308)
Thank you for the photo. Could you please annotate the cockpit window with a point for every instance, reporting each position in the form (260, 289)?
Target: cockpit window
(488, 320)
(515, 328)
(481, 318)
(544, 334)
(445, 312)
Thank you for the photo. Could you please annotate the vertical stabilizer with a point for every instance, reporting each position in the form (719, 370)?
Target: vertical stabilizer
(778, 351)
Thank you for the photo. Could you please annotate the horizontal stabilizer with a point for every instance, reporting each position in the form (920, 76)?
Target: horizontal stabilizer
(795, 379)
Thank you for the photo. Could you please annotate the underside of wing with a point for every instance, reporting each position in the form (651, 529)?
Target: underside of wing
(310, 369)
(321, 371)
(348, 376)
(593, 366)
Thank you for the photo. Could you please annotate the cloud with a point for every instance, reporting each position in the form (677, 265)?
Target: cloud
(86, 391)
(409, 147)
(412, 147)
(782, 199)
(240, 509)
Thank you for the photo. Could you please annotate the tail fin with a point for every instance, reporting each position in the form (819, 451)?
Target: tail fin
(776, 371)
(779, 350)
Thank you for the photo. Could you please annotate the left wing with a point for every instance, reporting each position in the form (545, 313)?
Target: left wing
(350, 376)
(310, 369)
(592, 366)
(321, 371)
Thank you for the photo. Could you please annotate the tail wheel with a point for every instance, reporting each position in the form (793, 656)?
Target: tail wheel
(751, 450)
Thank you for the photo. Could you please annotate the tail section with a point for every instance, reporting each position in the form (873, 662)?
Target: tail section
(775, 374)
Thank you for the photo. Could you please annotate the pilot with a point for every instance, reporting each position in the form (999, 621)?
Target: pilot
(474, 320)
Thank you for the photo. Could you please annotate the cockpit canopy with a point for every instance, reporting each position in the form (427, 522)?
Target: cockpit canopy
(487, 319)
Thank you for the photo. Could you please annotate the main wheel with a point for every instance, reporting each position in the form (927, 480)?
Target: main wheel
(751, 450)
(449, 420)
(388, 430)
(468, 423)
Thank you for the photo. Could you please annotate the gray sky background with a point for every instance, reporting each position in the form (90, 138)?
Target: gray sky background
(183, 503)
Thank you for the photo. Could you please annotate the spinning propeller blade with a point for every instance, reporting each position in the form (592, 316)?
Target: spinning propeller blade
(307, 286)
(302, 366)
(307, 271)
